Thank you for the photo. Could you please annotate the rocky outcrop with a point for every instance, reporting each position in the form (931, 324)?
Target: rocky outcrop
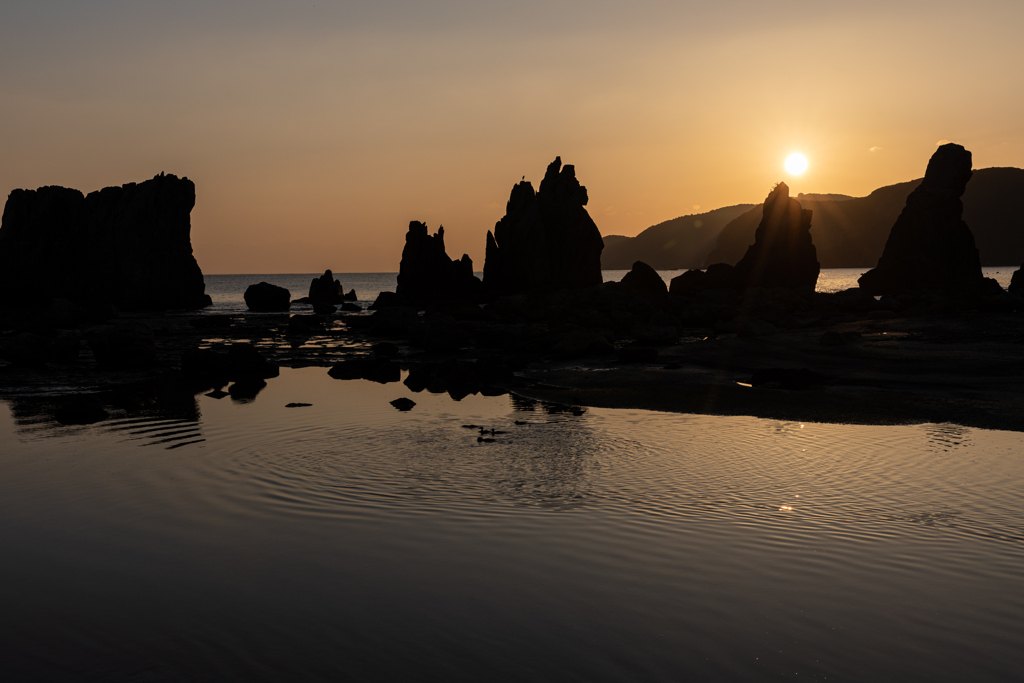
(782, 254)
(427, 274)
(266, 297)
(128, 246)
(645, 281)
(930, 246)
(717, 276)
(546, 238)
(1017, 281)
(326, 290)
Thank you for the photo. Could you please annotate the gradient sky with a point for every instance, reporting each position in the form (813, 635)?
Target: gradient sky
(315, 131)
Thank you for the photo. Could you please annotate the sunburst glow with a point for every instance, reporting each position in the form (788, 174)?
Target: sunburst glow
(796, 163)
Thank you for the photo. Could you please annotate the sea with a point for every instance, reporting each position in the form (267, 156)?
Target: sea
(235, 539)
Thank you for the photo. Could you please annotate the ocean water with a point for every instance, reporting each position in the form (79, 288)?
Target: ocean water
(247, 541)
(227, 290)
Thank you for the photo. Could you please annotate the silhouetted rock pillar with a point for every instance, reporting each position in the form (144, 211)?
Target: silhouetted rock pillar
(325, 289)
(129, 246)
(546, 239)
(930, 246)
(427, 274)
(782, 254)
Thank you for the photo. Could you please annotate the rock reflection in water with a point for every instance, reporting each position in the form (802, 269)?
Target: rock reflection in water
(161, 415)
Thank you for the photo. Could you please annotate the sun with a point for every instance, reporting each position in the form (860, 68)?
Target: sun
(796, 163)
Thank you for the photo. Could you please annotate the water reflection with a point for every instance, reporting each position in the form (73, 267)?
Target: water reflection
(164, 414)
(947, 437)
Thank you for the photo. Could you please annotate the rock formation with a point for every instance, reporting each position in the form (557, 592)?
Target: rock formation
(128, 246)
(1017, 281)
(267, 297)
(546, 239)
(326, 290)
(644, 280)
(717, 276)
(427, 274)
(782, 254)
(930, 246)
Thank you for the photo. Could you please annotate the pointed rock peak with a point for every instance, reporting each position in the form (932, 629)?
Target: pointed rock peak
(780, 191)
(569, 171)
(554, 167)
(949, 169)
(417, 228)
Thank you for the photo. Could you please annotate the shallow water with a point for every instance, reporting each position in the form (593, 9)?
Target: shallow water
(350, 541)
(227, 290)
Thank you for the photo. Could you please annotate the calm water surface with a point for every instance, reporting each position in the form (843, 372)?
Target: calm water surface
(247, 541)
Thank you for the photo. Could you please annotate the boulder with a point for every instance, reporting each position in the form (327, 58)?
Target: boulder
(127, 345)
(717, 276)
(782, 254)
(404, 404)
(326, 290)
(427, 274)
(388, 300)
(546, 238)
(128, 246)
(930, 246)
(265, 297)
(645, 281)
(351, 295)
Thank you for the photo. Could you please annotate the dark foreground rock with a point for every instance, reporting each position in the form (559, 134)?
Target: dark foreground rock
(645, 281)
(128, 246)
(782, 254)
(427, 274)
(546, 238)
(930, 246)
(265, 297)
(325, 290)
(1017, 281)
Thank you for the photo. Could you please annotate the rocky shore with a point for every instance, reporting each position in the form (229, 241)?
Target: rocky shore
(754, 339)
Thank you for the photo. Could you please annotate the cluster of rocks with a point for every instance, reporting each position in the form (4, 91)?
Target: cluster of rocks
(546, 238)
(125, 246)
(427, 273)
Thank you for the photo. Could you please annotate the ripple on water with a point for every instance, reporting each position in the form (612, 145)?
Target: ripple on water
(595, 540)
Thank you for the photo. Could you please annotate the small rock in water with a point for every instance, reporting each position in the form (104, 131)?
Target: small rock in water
(481, 439)
(403, 403)
(471, 427)
(217, 393)
(298, 405)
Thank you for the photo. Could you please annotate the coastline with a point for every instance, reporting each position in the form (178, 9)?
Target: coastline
(963, 368)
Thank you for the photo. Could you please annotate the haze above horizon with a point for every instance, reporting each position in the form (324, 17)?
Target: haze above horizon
(315, 132)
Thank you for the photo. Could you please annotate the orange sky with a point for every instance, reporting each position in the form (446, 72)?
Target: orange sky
(316, 132)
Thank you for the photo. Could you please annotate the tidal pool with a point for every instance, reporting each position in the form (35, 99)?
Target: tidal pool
(347, 540)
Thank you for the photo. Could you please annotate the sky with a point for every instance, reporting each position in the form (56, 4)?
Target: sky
(315, 131)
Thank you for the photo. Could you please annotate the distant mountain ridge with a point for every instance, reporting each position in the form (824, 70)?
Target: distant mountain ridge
(678, 243)
(848, 232)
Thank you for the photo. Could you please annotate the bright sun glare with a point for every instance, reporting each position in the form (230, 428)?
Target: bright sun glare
(796, 163)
